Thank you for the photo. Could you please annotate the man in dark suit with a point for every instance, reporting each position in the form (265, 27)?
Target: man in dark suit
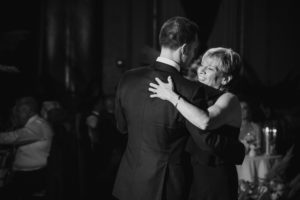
(153, 166)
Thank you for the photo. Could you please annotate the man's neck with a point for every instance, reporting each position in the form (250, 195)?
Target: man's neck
(173, 55)
(168, 62)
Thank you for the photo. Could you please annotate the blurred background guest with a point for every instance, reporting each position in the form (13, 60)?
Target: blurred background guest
(107, 145)
(33, 142)
(60, 169)
(251, 131)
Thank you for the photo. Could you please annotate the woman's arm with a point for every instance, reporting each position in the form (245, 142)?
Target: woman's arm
(220, 113)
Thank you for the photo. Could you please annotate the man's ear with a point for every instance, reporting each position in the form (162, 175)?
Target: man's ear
(226, 80)
(184, 49)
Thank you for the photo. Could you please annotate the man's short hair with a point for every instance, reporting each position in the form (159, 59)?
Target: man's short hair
(177, 31)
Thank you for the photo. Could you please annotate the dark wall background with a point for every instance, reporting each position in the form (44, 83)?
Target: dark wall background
(79, 49)
(264, 32)
(19, 38)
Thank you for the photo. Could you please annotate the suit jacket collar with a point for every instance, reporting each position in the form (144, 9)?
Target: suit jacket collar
(165, 67)
(168, 62)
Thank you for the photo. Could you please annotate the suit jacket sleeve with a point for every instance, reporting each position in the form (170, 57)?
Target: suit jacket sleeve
(119, 112)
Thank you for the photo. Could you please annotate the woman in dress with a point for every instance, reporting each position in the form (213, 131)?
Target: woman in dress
(214, 176)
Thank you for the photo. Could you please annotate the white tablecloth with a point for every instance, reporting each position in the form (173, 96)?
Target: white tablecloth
(256, 168)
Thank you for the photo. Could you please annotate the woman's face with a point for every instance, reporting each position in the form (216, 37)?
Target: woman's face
(209, 73)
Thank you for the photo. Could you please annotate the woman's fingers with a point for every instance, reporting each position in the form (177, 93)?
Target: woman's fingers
(161, 83)
(152, 90)
(153, 95)
(170, 81)
(158, 81)
(153, 85)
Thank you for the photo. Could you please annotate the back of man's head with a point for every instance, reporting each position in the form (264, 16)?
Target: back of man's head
(177, 31)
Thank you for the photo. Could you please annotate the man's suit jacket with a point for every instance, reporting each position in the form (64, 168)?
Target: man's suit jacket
(153, 164)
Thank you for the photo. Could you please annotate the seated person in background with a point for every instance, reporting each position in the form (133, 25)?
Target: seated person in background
(33, 142)
(250, 132)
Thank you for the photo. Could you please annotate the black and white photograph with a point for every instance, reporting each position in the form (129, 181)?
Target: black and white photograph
(149, 100)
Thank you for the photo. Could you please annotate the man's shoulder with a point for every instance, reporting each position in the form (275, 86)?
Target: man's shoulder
(137, 70)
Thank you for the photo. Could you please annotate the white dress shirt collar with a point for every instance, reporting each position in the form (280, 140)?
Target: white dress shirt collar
(168, 62)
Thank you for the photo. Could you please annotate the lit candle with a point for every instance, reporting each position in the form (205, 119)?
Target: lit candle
(267, 140)
(274, 132)
(273, 144)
